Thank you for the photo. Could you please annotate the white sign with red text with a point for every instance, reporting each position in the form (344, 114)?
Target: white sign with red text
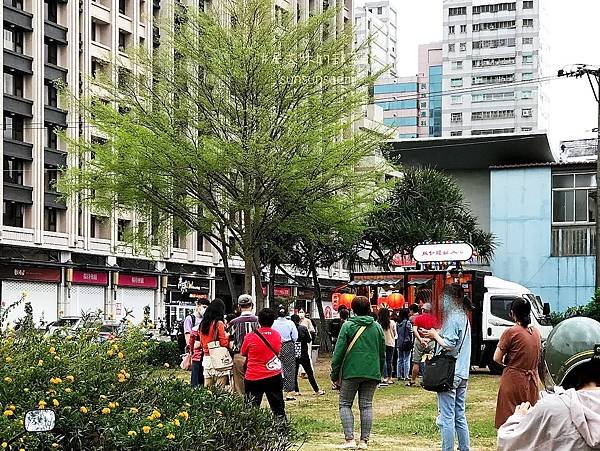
(443, 252)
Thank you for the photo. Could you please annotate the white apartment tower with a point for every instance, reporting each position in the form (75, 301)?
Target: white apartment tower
(492, 63)
(377, 20)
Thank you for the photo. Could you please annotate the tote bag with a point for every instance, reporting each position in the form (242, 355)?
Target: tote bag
(220, 358)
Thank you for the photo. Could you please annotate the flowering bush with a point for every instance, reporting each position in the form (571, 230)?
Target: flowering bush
(106, 396)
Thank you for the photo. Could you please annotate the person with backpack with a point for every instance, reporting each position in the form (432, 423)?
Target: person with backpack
(263, 367)
(356, 367)
(404, 344)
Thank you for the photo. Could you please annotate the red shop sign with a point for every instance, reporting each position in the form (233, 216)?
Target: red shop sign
(280, 292)
(90, 277)
(138, 281)
(12, 272)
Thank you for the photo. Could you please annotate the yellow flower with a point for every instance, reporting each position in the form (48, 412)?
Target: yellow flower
(68, 390)
(4, 445)
(176, 422)
(42, 404)
(8, 380)
(121, 377)
(40, 362)
(127, 375)
(56, 380)
(55, 402)
(55, 445)
(110, 352)
(160, 425)
(52, 350)
(26, 390)
(184, 415)
(8, 413)
(12, 407)
(8, 359)
(115, 347)
(112, 405)
(83, 409)
(145, 343)
(69, 337)
(120, 355)
(132, 433)
(106, 411)
(133, 410)
(156, 413)
(167, 365)
(146, 429)
(171, 436)
(70, 378)
(56, 357)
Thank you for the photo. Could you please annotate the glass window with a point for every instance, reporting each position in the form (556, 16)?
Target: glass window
(528, 4)
(527, 76)
(457, 65)
(463, 28)
(13, 40)
(13, 214)
(13, 127)
(51, 138)
(527, 94)
(16, 4)
(527, 41)
(122, 6)
(500, 307)
(451, 47)
(562, 206)
(455, 117)
(585, 180)
(51, 94)
(13, 84)
(451, 29)
(581, 207)
(527, 59)
(50, 178)
(456, 82)
(13, 170)
(463, 46)
(527, 23)
(456, 100)
(51, 10)
(457, 133)
(51, 53)
(50, 219)
(563, 181)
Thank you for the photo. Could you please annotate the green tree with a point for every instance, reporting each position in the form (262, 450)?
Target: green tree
(230, 128)
(425, 205)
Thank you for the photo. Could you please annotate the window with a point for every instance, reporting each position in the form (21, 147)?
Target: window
(492, 97)
(451, 29)
(50, 93)
(122, 6)
(493, 79)
(494, 62)
(526, 112)
(527, 94)
(13, 127)
(13, 84)
(423, 85)
(380, 10)
(423, 114)
(51, 10)
(94, 31)
(51, 138)
(527, 23)
(451, 47)
(51, 53)
(13, 214)
(456, 117)
(527, 41)
(456, 100)
(123, 227)
(50, 179)
(16, 4)
(527, 59)
(423, 105)
(494, 131)
(13, 40)
(573, 198)
(456, 82)
(460, 11)
(457, 133)
(525, 129)
(463, 28)
(400, 121)
(494, 43)
(492, 115)
(122, 40)
(423, 123)
(495, 8)
(50, 219)
(13, 170)
(457, 65)
(500, 307)
(500, 25)
(462, 46)
(527, 76)
(528, 4)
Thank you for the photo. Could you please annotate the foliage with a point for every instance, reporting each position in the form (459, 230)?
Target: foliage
(591, 310)
(247, 126)
(106, 397)
(163, 353)
(425, 205)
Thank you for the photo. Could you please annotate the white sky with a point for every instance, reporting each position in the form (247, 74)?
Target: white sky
(574, 29)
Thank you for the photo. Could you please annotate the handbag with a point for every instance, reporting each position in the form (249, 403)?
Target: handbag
(186, 361)
(358, 333)
(274, 364)
(220, 358)
(439, 370)
(407, 345)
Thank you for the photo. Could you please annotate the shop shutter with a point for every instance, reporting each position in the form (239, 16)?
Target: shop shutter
(86, 298)
(43, 298)
(134, 299)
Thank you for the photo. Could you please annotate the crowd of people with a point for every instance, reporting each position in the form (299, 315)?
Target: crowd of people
(375, 350)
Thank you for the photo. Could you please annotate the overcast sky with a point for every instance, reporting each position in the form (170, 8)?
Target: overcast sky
(574, 26)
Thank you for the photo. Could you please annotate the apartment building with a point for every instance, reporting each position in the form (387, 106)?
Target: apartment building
(492, 65)
(377, 21)
(64, 254)
(430, 88)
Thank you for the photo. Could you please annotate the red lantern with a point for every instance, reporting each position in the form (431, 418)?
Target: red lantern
(396, 301)
(383, 302)
(346, 300)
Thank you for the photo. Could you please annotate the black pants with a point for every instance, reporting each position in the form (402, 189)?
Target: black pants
(304, 360)
(197, 373)
(273, 388)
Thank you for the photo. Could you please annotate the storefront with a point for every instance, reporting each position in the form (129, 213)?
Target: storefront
(134, 292)
(183, 291)
(87, 292)
(41, 286)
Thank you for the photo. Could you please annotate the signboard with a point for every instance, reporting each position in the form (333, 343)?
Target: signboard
(138, 281)
(90, 277)
(443, 252)
(12, 272)
(306, 293)
(403, 260)
(279, 292)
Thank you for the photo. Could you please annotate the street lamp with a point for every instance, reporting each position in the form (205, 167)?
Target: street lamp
(593, 74)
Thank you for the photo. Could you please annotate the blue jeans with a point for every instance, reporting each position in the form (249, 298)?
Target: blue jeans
(389, 358)
(403, 365)
(451, 418)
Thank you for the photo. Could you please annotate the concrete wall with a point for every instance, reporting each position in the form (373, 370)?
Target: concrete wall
(521, 219)
(475, 185)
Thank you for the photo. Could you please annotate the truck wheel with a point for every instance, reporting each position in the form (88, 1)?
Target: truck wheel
(495, 368)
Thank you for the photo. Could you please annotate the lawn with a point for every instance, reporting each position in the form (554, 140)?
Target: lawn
(404, 417)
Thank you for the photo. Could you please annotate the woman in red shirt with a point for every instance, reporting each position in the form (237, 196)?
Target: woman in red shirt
(195, 347)
(212, 328)
(263, 367)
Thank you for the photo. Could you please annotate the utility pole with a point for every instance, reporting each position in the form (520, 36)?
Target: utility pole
(593, 74)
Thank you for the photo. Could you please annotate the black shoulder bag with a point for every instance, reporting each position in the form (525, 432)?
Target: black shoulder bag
(439, 370)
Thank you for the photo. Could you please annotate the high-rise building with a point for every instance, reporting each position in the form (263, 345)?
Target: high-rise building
(492, 63)
(376, 21)
(67, 256)
(430, 84)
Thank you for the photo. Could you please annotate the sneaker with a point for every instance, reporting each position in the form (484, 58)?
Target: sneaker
(319, 393)
(348, 445)
(290, 398)
(382, 384)
(362, 445)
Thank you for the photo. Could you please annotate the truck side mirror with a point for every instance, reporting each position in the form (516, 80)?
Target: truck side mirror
(546, 308)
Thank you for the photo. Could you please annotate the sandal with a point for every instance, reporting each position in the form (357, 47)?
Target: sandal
(411, 384)
(319, 393)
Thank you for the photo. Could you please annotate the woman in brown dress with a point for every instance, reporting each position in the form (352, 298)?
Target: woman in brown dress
(519, 350)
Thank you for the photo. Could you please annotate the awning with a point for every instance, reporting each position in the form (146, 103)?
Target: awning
(419, 281)
(376, 283)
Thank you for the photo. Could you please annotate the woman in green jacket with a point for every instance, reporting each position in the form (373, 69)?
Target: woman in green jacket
(356, 367)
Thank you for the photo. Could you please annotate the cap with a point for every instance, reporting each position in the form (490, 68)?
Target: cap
(427, 306)
(245, 300)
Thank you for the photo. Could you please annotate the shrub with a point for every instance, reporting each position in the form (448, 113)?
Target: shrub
(591, 310)
(161, 352)
(106, 396)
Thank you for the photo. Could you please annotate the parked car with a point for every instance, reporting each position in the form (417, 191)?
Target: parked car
(66, 324)
(108, 330)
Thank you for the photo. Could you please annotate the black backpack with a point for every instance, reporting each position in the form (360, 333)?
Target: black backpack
(407, 344)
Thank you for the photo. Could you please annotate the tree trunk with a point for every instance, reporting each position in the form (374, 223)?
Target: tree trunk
(325, 338)
(256, 269)
(248, 271)
(224, 253)
(271, 282)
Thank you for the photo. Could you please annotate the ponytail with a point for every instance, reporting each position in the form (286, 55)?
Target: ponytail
(521, 309)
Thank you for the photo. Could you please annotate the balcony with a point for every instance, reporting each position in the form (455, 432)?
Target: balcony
(54, 200)
(18, 105)
(573, 240)
(55, 115)
(18, 61)
(53, 72)
(53, 157)
(18, 149)
(18, 17)
(18, 193)
(55, 32)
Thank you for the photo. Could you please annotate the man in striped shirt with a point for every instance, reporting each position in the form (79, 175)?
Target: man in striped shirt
(237, 329)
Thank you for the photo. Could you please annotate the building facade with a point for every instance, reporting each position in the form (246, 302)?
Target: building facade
(492, 66)
(376, 22)
(430, 87)
(63, 253)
